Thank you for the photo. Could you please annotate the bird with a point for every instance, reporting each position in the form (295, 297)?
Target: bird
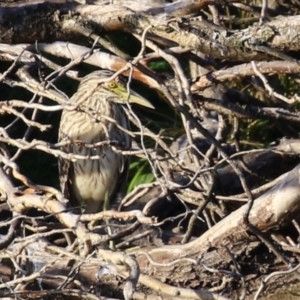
(90, 183)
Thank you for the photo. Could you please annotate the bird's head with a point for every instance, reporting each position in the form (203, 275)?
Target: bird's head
(118, 93)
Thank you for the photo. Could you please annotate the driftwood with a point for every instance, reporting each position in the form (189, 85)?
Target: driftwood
(239, 221)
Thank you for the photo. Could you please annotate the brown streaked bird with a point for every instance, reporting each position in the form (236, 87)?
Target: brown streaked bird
(91, 183)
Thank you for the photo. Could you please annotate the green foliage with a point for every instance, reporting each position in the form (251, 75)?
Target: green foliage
(258, 133)
(160, 66)
(140, 172)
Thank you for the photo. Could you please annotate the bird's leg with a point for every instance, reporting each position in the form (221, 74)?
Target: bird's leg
(106, 206)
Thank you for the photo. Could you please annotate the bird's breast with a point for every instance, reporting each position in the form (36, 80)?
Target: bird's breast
(94, 180)
(86, 129)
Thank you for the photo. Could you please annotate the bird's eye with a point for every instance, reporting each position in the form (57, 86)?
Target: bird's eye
(112, 85)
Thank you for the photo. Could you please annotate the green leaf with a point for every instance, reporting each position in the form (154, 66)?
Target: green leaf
(141, 174)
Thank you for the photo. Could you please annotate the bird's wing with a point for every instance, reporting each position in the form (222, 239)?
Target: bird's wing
(64, 168)
(120, 187)
(66, 171)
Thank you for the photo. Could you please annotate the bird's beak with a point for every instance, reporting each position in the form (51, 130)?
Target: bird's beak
(138, 99)
(135, 98)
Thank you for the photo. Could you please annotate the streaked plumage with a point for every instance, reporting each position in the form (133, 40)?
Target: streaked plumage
(87, 183)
